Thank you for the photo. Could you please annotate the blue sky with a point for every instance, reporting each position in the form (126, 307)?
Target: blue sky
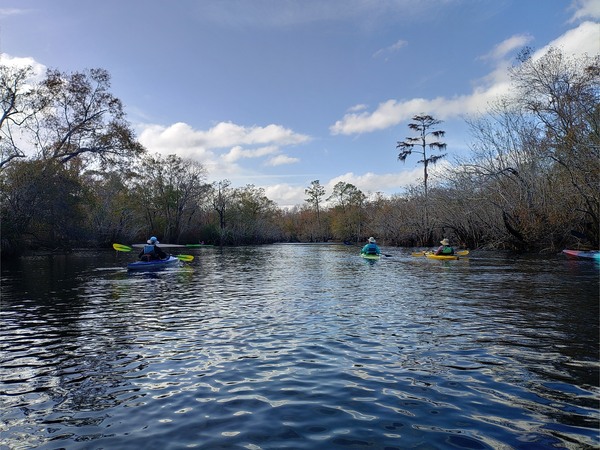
(278, 93)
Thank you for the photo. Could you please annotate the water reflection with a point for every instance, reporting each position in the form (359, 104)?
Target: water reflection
(301, 346)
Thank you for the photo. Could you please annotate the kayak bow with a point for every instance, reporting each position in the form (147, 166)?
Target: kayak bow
(585, 254)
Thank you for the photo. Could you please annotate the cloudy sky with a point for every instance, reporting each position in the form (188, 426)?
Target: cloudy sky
(278, 93)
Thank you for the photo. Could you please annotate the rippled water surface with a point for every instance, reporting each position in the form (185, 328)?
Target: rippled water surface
(301, 347)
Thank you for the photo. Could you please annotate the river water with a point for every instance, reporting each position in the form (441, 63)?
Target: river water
(300, 347)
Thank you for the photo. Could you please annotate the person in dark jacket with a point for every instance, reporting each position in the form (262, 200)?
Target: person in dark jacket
(371, 248)
(445, 248)
(152, 251)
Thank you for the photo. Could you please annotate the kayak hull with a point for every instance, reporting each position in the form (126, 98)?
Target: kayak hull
(370, 257)
(455, 256)
(171, 261)
(441, 257)
(584, 254)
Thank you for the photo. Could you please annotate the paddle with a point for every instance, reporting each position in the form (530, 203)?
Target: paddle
(186, 258)
(122, 248)
(458, 253)
(126, 248)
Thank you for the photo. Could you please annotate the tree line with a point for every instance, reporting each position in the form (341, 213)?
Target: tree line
(72, 174)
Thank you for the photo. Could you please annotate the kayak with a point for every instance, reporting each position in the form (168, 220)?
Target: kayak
(159, 245)
(428, 254)
(371, 257)
(442, 257)
(171, 261)
(586, 254)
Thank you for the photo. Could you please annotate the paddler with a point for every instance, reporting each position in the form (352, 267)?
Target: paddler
(371, 248)
(152, 251)
(445, 248)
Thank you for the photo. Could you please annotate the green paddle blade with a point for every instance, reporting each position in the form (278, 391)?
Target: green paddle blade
(186, 258)
(122, 248)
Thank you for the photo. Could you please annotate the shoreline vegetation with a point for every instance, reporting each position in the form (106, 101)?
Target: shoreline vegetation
(409, 251)
(530, 184)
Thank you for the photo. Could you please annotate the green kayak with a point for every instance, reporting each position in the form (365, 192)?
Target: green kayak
(371, 257)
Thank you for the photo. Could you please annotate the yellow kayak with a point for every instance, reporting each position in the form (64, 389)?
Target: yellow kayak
(432, 255)
(443, 257)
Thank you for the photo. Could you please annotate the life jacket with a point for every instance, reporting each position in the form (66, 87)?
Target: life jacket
(447, 250)
(371, 249)
(148, 249)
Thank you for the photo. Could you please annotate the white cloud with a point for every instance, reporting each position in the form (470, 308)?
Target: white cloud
(7, 12)
(357, 108)
(182, 139)
(386, 52)
(287, 195)
(179, 139)
(226, 133)
(239, 152)
(280, 160)
(585, 9)
(584, 39)
(508, 45)
(222, 148)
(372, 182)
(387, 114)
(393, 112)
(222, 135)
(581, 40)
(39, 70)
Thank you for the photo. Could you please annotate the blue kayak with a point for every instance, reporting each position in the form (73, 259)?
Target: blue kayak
(171, 261)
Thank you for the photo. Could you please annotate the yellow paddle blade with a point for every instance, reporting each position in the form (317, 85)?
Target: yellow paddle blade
(418, 254)
(186, 258)
(122, 248)
(462, 252)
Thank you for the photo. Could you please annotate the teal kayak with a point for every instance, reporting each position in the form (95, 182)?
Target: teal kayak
(171, 261)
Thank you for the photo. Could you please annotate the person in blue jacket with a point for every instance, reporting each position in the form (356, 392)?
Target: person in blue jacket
(152, 251)
(371, 248)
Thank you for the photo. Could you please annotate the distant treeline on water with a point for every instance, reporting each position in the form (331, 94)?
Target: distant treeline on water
(531, 182)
